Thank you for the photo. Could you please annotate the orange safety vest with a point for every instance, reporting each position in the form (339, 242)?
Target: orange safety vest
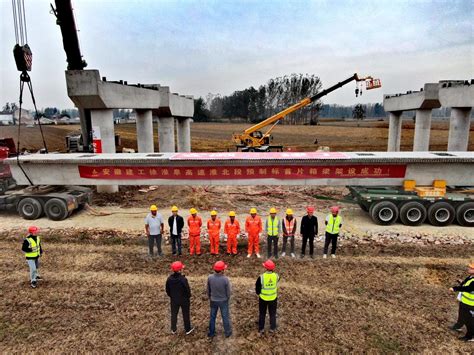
(214, 227)
(253, 225)
(232, 229)
(194, 225)
(289, 225)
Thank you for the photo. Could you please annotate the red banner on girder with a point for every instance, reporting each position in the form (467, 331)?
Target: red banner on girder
(233, 172)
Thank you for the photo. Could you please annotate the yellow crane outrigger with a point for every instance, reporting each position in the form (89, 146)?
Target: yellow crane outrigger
(252, 139)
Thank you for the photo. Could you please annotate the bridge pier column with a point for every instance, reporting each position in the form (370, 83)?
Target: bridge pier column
(394, 131)
(459, 125)
(145, 131)
(421, 141)
(183, 130)
(104, 139)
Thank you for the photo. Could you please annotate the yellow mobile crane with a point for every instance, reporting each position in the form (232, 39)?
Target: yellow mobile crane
(252, 139)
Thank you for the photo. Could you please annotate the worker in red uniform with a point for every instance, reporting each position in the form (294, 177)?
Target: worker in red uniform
(214, 231)
(194, 227)
(253, 228)
(232, 230)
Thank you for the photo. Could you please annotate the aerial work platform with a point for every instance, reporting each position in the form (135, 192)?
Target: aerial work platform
(236, 168)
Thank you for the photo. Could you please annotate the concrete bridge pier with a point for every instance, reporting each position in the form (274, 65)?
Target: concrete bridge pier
(459, 126)
(145, 131)
(166, 134)
(394, 131)
(183, 130)
(104, 139)
(421, 140)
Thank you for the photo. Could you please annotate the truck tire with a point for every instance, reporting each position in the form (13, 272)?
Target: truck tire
(465, 214)
(56, 209)
(412, 213)
(384, 212)
(30, 208)
(441, 214)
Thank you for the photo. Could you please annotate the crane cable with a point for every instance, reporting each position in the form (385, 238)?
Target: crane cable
(24, 62)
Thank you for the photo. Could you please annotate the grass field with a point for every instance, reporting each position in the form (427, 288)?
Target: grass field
(339, 136)
(100, 293)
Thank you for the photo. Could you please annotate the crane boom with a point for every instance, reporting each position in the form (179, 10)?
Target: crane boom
(253, 138)
(65, 20)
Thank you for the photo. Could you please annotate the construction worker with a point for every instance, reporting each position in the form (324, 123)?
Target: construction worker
(176, 224)
(154, 228)
(33, 250)
(273, 230)
(288, 225)
(177, 289)
(232, 231)
(333, 225)
(266, 288)
(214, 231)
(194, 227)
(308, 230)
(219, 291)
(253, 228)
(466, 305)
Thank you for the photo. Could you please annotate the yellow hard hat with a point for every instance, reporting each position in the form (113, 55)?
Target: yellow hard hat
(213, 213)
(232, 214)
(273, 210)
(174, 209)
(153, 208)
(193, 211)
(289, 211)
(253, 210)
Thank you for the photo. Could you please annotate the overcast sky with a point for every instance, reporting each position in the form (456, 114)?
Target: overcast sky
(197, 47)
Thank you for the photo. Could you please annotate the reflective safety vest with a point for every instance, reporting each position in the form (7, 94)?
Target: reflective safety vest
(289, 225)
(272, 226)
(468, 297)
(269, 289)
(35, 246)
(333, 224)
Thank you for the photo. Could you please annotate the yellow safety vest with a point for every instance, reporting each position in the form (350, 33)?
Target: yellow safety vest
(333, 224)
(272, 226)
(468, 297)
(269, 282)
(35, 246)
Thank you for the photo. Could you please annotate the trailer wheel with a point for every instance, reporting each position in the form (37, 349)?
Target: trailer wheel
(412, 213)
(56, 209)
(30, 208)
(441, 214)
(384, 212)
(465, 214)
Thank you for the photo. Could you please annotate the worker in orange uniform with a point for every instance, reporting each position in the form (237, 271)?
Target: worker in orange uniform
(194, 227)
(232, 230)
(253, 228)
(214, 231)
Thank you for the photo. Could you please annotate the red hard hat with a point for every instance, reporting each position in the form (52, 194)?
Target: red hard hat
(334, 209)
(269, 265)
(177, 266)
(220, 266)
(310, 209)
(33, 229)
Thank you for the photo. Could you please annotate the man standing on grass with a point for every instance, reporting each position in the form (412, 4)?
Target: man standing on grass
(333, 225)
(308, 230)
(176, 224)
(154, 230)
(219, 291)
(289, 229)
(194, 228)
(266, 288)
(273, 230)
(466, 305)
(33, 250)
(177, 289)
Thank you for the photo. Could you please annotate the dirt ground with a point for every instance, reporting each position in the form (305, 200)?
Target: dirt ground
(339, 136)
(100, 293)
